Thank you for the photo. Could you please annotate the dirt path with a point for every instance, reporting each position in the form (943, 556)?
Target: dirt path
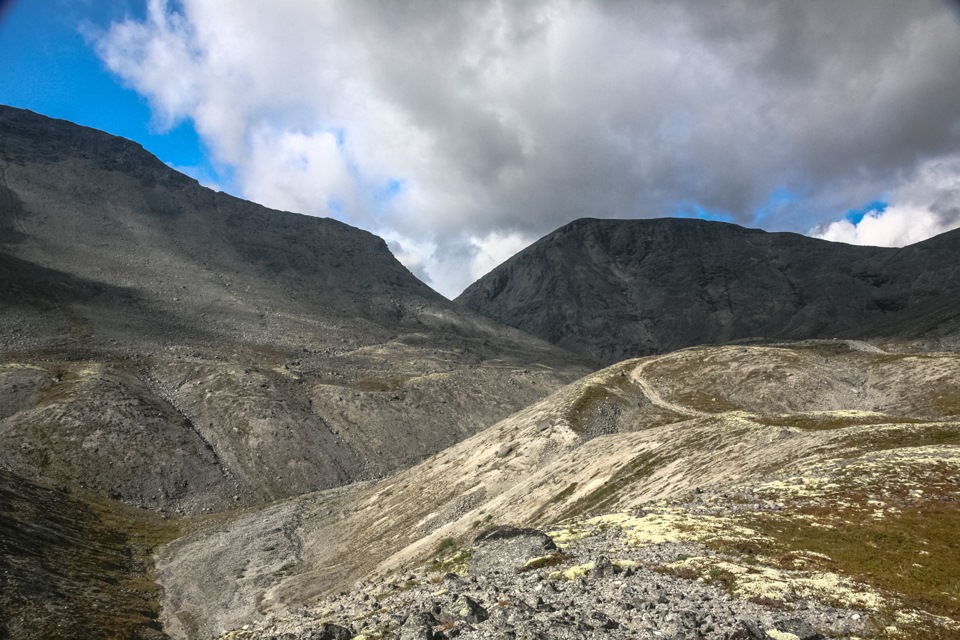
(654, 396)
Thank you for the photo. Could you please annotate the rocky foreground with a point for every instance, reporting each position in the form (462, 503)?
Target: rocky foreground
(701, 567)
(520, 584)
(725, 492)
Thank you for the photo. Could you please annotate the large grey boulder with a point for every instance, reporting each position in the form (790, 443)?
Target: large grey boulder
(507, 549)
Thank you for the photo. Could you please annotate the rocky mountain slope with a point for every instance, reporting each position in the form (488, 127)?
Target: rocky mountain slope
(613, 289)
(743, 486)
(218, 420)
(171, 348)
(180, 349)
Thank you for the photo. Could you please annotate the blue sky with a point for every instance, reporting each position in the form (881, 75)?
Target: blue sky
(50, 67)
(462, 132)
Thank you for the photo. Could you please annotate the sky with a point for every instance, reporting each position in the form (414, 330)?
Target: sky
(461, 132)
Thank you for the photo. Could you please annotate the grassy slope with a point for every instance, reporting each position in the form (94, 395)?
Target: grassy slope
(76, 569)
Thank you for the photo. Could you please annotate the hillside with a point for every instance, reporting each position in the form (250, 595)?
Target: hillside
(180, 349)
(169, 350)
(222, 421)
(811, 481)
(613, 289)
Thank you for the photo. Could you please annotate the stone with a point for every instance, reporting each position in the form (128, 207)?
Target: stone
(471, 610)
(746, 630)
(603, 621)
(418, 626)
(602, 568)
(800, 628)
(507, 549)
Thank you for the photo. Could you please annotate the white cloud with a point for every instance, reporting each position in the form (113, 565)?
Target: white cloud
(491, 250)
(293, 171)
(894, 227)
(414, 255)
(431, 263)
(505, 120)
(923, 206)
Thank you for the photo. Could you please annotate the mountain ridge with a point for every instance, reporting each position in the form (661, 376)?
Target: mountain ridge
(218, 420)
(244, 354)
(611, 289)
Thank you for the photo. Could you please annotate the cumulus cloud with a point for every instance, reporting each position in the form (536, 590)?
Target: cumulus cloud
(455, 126)
(926, 205)
(893, 227)
(493, 249)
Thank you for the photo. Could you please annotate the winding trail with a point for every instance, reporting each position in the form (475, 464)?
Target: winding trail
(654, 396)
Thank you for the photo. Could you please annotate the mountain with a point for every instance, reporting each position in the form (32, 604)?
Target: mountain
(218, 420)
(176, 348)
(612, 289)
(727, 485)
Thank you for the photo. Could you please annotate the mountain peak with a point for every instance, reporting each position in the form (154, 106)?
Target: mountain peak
(612, 289)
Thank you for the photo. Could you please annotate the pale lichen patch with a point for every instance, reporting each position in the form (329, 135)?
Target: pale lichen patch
(572, 573)
(781, 635)
(769, 583)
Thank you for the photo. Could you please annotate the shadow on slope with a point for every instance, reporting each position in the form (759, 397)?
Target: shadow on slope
(74, 570)
(613, 289)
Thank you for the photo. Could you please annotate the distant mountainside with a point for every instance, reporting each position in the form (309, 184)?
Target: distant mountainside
(612, 289)
(177, 348)
(151, 258)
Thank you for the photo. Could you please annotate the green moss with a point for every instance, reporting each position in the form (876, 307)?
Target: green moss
(947, 401)
(381, 385)
(829, 421)
(898, 438)
(446, 545)
(592, 400)
(887, 522)
(551, 560)
(451, 563)
(563, 495)
(914, 553)
(706, 400)
(606, 496)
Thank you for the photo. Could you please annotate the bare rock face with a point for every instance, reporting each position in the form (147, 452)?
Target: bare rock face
(180, 349)
(507, 549)
(613, 289)
(168, 347)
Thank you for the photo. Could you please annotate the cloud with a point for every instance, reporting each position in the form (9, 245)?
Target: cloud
(924, 206)
(493, 249)
(505, 119)
(200, 174)
(893, 227)
(294, 171)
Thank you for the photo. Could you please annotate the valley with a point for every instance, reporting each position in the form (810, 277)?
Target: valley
(223, 421)
(756, 488)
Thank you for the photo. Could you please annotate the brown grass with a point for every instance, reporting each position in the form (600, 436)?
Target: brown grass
(75, 568)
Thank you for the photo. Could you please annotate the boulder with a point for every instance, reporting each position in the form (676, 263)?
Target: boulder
(506, 549)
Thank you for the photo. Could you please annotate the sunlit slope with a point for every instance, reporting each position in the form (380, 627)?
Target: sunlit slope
(722, 423)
